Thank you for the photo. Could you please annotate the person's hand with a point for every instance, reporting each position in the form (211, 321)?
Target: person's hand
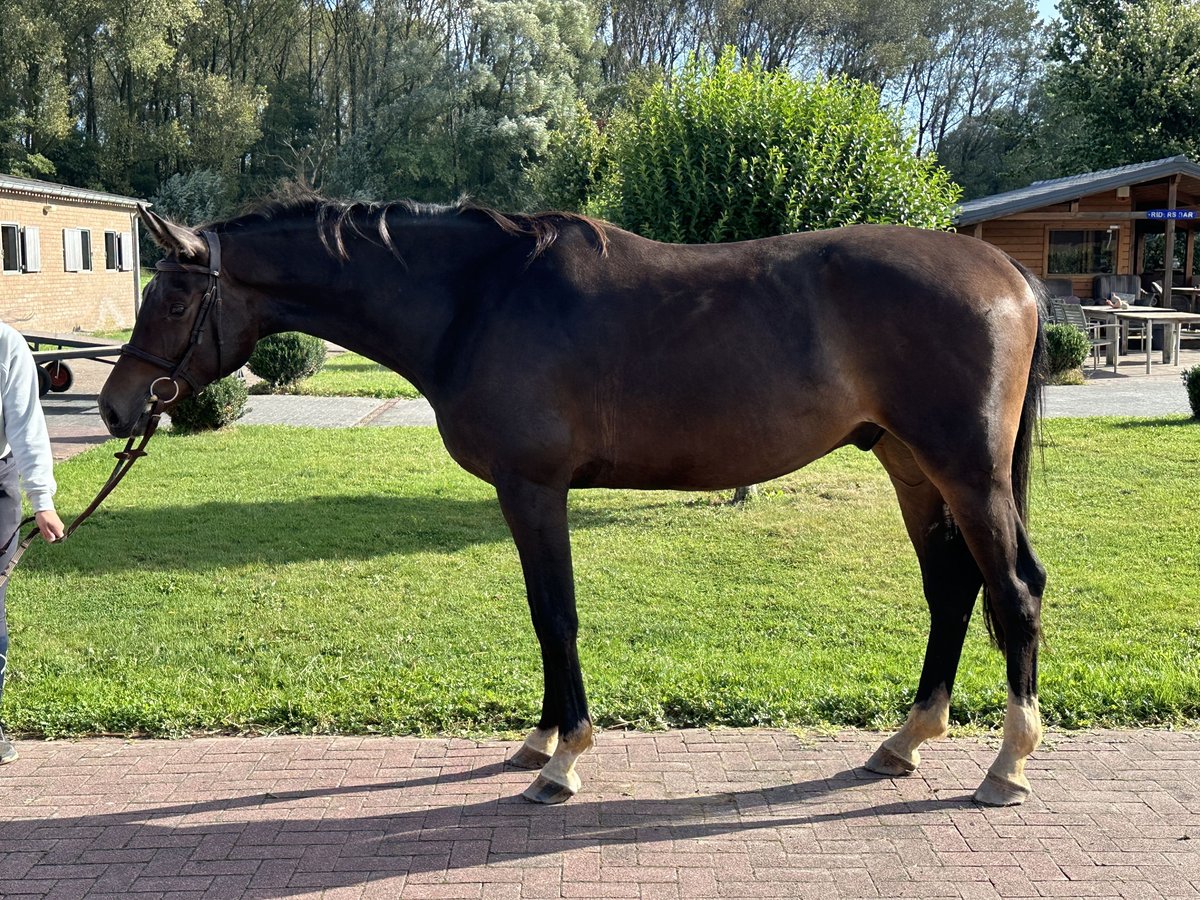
(50, 525)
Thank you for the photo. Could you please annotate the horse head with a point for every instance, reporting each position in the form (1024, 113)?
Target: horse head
(187, 334)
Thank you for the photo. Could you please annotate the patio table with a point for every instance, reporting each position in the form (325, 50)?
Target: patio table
(1150, 316)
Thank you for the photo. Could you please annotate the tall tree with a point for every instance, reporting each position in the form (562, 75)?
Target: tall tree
(1124, 82)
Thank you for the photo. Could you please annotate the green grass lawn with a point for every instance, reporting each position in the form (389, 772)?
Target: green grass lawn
(357, 580)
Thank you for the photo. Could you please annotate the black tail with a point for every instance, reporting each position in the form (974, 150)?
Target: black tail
(1027, 433)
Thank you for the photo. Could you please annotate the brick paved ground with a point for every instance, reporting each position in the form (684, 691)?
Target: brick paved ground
(674, 815)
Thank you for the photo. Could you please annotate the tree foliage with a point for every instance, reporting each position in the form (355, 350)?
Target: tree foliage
(432, 99)
(730, 151)
(1124, 82)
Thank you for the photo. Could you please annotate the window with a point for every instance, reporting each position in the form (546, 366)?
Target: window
(77, 250)
(112, 251)
(118, 251)
(125, 243)
(1156, 248)
(10, 248)
(1082, 252)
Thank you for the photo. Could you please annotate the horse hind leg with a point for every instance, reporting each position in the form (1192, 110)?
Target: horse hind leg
(986, 512)
(951, 582)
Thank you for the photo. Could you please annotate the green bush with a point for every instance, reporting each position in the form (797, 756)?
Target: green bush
(1066, 348)
(1191, 381)
(219, 404)
(730, 151)
(283, 359)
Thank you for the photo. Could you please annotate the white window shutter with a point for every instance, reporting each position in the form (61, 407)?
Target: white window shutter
(31, 237)
(126, 254)
(72, 250)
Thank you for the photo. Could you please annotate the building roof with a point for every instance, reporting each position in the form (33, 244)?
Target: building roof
(11, 184)
(1062, 190)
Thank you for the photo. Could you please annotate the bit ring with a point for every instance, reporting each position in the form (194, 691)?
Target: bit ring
(154, 395)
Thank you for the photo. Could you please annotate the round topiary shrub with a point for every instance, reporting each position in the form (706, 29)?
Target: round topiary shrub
(284, 359)
(1191, 381)
(219, 404)
(1066, 349)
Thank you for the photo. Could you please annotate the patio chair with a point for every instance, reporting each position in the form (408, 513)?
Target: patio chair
(1058, 287)
(1069, 311)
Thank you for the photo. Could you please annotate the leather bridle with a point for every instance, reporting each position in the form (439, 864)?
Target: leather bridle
(177, 370)
(209, 305)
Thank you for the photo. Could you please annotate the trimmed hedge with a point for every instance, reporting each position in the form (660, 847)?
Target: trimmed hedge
(1066, 348)
(1191, 381)
(283, 359)
(218, 405)
(728, 150)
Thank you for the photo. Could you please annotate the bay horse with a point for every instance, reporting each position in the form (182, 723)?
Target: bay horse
(562, 352)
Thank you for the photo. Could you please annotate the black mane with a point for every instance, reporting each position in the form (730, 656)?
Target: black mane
(369, 220)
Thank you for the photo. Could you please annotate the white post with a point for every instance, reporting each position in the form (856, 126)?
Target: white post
(137, 265)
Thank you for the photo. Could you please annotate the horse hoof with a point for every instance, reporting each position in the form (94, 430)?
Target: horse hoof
(547, 792)
(997, 791)
(884, 762)
(527, 758)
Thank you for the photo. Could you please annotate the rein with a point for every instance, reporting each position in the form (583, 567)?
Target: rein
(177, 370)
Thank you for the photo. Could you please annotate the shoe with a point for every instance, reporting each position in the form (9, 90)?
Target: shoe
(8, 753)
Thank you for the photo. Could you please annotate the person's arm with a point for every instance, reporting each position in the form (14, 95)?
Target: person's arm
(25, 428)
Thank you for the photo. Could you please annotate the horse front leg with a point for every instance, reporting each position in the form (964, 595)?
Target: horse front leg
(537, 517)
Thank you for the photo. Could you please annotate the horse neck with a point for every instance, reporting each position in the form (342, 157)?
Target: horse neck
(392, 310)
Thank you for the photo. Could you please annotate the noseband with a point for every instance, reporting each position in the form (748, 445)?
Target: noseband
(210, 302)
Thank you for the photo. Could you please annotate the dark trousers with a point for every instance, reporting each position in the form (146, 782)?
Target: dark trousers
(10, 519)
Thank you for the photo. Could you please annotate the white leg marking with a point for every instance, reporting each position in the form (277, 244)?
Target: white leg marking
(542, 740)
(561, 768)
(1022, 734)
(925, 721)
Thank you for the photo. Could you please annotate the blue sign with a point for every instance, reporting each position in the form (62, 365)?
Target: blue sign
(1171, 214)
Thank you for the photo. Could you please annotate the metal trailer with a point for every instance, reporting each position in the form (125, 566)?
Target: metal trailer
(53, 372)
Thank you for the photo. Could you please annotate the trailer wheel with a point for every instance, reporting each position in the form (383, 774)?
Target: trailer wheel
(61, 376)
(43, 378)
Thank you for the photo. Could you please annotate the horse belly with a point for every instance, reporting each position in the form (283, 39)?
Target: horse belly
(706, 453)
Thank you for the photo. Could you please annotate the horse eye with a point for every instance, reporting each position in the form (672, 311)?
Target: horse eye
(178, 309)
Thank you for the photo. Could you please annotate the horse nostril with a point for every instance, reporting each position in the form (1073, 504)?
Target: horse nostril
(109, 415)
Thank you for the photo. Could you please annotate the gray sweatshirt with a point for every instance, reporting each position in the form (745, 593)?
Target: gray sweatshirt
(22, 425)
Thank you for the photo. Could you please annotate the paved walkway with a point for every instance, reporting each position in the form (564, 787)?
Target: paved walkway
(689, 814)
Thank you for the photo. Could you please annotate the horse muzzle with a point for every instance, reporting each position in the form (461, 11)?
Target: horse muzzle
(123, 424)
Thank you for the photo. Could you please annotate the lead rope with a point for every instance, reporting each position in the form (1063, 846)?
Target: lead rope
(125, 460)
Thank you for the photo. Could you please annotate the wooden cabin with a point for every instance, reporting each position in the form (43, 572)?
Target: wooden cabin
(1123, 221)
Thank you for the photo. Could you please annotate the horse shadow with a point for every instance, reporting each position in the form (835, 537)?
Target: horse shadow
(226, 533)
(303, 846)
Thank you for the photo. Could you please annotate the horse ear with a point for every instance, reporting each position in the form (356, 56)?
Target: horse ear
(177, 239)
